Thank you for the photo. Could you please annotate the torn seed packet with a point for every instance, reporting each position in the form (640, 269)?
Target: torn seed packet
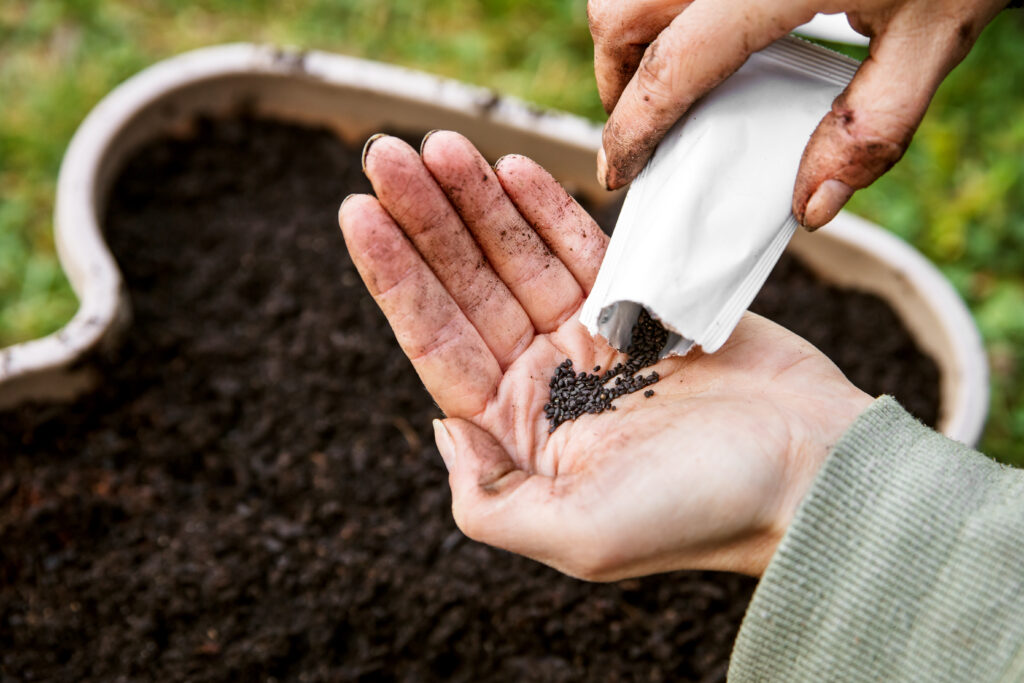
(708, 217)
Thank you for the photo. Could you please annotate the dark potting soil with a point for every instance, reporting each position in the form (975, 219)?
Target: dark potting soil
(254, 493)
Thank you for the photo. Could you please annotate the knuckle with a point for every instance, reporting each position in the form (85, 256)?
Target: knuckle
(895, 129)
(598, 14)
(443, 337)
(896, 125)
(867, 144)
(654, 77)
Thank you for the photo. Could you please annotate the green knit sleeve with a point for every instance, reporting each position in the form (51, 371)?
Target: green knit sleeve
(905, 562)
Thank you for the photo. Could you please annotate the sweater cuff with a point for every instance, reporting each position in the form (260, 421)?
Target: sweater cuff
(904, 562)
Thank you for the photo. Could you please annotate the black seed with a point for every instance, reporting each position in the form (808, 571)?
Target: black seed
(575, 394)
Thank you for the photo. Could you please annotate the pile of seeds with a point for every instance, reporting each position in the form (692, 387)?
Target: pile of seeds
(575, 394)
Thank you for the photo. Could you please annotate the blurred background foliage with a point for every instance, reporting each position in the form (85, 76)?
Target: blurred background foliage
(958, 194)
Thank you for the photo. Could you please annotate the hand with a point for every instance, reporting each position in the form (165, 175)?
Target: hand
(655, 58)
(481, 274)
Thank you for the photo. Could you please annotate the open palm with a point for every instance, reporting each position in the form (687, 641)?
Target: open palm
(481, 274)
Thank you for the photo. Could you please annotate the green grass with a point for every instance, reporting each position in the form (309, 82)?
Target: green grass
(958, 195)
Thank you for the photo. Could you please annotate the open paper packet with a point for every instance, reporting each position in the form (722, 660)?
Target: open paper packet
(708, 217)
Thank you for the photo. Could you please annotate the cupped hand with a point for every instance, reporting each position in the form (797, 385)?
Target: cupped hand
(655, 58)
(481, 274)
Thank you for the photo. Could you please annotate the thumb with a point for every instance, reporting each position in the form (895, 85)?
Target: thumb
(475, 460)
(496, 502)
(873, 120)
(484, 479)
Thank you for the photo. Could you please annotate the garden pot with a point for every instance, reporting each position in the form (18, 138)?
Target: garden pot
(356, 98)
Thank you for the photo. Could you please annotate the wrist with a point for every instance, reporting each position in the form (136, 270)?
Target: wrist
(823, 424)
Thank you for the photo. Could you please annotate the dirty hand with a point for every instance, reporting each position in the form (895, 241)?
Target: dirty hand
(481, 274)
(655, 58)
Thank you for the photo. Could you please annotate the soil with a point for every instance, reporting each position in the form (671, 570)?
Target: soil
(255, 495)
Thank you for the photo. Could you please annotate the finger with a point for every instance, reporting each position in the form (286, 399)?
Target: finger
(542, 284)
(411, 195)
(449, 355)
(561, 222)
(698, 50)
(872, 122)
(495, 502)
(621, 32)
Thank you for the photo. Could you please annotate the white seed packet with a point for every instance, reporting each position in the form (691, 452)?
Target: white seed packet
(708, 217)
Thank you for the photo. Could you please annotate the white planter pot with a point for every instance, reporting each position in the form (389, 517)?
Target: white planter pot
(356, 98)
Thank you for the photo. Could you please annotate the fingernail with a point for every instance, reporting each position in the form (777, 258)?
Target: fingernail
(445, 445)
(423, 143)
(825, 203)
(366, 147)
(498, 162)
(341, 211)
(602, 168)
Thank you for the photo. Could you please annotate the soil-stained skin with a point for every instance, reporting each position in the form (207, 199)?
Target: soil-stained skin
(846, 149)
(478, 291)
(516, 252)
